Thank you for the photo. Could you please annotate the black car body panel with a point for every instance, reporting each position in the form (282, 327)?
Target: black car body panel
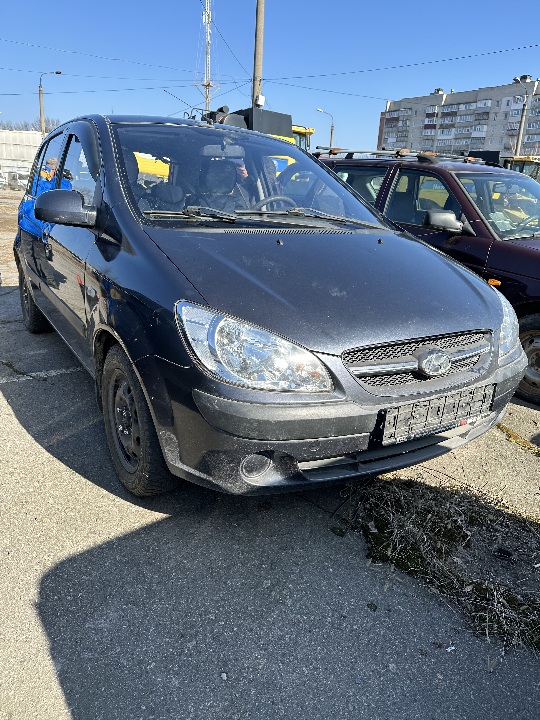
(366, 308)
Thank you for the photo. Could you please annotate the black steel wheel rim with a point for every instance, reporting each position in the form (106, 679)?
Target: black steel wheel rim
(125, 422)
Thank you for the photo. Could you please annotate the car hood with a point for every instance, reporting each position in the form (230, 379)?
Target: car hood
(330, 290)
(533, 243)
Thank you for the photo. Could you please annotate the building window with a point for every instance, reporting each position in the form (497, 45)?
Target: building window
(464, 118)
(483, 103)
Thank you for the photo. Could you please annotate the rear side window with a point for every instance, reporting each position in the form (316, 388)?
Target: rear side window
(45, 171)
(366, 181)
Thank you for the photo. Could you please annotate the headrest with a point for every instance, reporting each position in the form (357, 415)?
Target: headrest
(167, 193)
(220, 177)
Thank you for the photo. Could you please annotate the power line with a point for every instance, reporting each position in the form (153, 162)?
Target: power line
(335, 92)
(96, 57)
(99, 90)
(406, 65)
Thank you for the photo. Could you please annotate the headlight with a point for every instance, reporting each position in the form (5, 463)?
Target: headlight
(509, 335)
(246, 355)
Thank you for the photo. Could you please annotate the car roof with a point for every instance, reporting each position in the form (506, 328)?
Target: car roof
(418, 160)
(100, 120)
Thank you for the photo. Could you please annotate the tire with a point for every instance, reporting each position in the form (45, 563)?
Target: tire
(34, 320)
(529, 334)
(131, 435)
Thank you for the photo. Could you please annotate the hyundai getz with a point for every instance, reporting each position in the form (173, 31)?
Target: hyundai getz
(248, 329)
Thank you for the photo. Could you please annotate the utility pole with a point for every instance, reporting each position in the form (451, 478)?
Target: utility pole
(257, 99)
(207, 84)
(519, 80)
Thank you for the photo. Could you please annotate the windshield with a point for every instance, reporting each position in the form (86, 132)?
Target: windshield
(510, 202)
(178, 172)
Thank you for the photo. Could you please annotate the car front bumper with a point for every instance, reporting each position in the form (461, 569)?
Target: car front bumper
(249, 448)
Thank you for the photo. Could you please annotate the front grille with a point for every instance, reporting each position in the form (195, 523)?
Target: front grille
(385, 368)
(394, 352)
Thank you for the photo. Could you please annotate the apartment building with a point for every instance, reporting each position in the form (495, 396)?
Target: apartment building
(460, 122)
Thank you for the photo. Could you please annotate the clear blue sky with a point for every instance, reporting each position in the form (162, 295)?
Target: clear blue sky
(339, 55)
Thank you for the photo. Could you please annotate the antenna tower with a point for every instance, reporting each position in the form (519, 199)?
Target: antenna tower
(207, 84)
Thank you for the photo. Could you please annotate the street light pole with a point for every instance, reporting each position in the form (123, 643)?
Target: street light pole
(41, 110)
(331, 126)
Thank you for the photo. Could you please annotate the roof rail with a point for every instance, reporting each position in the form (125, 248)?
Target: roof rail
(400, 153)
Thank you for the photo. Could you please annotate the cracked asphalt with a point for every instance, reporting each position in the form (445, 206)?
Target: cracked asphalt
(201, 606)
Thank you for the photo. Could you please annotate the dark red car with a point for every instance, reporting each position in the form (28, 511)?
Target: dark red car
(485, 216)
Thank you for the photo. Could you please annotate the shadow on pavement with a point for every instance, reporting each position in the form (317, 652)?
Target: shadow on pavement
(250, 609)
(238, 608)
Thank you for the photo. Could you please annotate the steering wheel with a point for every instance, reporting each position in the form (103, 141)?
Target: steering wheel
(273, 198)
(528, 221)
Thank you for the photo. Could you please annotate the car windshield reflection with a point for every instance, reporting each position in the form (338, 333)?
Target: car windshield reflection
(172, 169)
(509, 203)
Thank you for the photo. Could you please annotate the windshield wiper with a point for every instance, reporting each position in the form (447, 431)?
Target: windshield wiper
(311, 212)
(193, 211)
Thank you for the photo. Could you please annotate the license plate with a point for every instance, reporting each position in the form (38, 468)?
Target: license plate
(426, 417)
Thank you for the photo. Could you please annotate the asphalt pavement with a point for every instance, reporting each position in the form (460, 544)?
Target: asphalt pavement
(199, 606)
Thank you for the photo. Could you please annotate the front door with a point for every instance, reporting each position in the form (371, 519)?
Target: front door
(414, 193)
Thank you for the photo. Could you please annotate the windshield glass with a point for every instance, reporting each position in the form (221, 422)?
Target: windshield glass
(171, 168)
(510, 202)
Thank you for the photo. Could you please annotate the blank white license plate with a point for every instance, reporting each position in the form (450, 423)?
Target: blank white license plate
(425, 417)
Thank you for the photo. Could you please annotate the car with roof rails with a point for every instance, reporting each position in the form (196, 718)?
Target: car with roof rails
(249, 330)
(485, 216)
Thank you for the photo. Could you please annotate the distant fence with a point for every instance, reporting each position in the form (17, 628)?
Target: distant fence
(17, 150)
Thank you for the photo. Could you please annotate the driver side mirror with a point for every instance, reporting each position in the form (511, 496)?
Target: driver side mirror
(65, 207)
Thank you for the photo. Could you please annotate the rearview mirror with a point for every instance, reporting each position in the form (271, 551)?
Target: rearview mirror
(65, 207)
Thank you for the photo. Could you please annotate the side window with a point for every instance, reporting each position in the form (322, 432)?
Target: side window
(401, 205)
(432, 194)
(365, 180)
(75, 173)
(44, 177)
(415, 193)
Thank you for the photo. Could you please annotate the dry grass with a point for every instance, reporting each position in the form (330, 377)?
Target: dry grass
(468, 548)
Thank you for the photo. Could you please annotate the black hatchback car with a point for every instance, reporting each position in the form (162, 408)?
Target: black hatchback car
(485, 216)
(251, 329)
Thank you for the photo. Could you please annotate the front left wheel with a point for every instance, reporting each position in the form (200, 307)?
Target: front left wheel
(131, 435)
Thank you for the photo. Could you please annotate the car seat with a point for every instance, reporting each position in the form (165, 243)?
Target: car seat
(166, 196)
(218, 183)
